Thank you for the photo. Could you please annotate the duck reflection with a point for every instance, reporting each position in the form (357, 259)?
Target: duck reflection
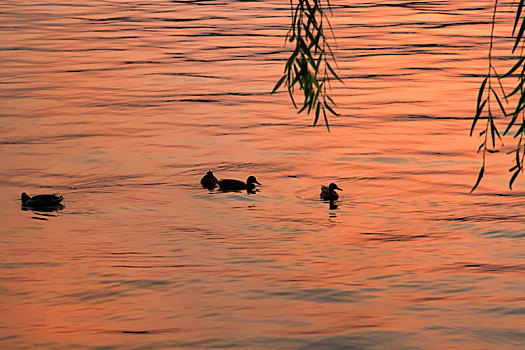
(45, 210)
(252, 190)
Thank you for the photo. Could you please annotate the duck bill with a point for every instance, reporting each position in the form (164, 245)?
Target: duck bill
(258, 183)
(337, 188)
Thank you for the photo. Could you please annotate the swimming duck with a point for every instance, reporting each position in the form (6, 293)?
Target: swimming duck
(328, 193)
(41, 201)
(236, 185)
(209, 180)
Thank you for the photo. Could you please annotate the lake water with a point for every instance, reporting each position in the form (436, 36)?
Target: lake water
(122, 106)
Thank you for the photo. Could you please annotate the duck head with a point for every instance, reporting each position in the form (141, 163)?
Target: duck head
(210, 175)
(25, 197)
(333, 187)
(252, 180)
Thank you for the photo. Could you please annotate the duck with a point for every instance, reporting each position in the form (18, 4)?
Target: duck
(237, 185)
(209, 180)
(328, 193)
(41, 201)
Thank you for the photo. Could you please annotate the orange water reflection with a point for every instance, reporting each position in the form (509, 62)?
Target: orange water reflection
(122, 106)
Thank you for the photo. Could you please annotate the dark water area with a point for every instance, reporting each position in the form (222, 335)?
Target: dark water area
(122, 106)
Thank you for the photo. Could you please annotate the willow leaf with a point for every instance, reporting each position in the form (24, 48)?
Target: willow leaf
(519, 36)
(518, 13)
(476, 117)
(480, 176)
(493, 130)
(481, 90)
(326, 120)
(513, 69)
(279, 83)
(317, 109)
(481, 146)
(333, 73)
(521, 130)
(500, 84)
(318, 63)
(316, 96)
(513, 178)
(330, 108)
(511, 123)
(499, 102)
(518, 88)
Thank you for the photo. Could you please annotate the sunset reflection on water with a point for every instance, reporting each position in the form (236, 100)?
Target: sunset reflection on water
(122, 107)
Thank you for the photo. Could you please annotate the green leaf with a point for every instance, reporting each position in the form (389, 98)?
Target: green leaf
(308, 67)
(481, 146)
(513, 69)
(302, 108)
(326, 120)
(319, 60)
(521, 102)
(306, 51)
(518, 88)
(333, 73)
(513, 178)
(511, 123)
(476, 117)
(317, 109)
(500, 85)
(499, 102)
(330, 99)
(291, 59)
(521, 130)
(314, 80)
(315, 42)
(291, 96)
(519, 36)
(493, 130)
(330, 108)
(279, 83)
(317, 93)
(480, 176)
(481, 90)
(518, 13)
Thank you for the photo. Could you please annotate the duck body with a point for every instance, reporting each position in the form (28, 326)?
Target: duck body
(238, 185)
(209, 180)
(328, 193)
(41, 201)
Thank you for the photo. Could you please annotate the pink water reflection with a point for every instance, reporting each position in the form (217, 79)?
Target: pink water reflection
(122, 106)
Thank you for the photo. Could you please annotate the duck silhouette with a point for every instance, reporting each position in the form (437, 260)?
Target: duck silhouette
(209, 180)
(328, 193)
(42, 201)
(238, 185)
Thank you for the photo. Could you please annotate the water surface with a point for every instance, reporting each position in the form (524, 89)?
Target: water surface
(121, 107)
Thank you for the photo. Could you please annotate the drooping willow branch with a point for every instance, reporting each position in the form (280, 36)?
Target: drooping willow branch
(310, 67)
(487, 97)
